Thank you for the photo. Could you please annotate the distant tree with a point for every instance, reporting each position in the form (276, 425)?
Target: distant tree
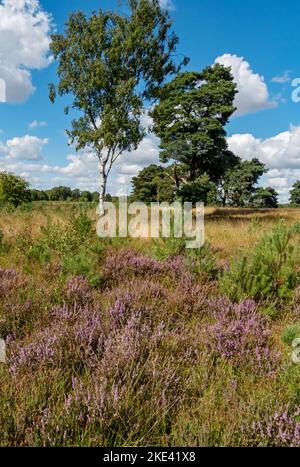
(60, 193)
(75, 195)
(295, 194)
(264, 198)
(108, 197)
(190, 118)
(95, 196)
(240, 182)
(145, 184)
(152, 184)
(86, 196)
(38, 195)
(13, 189)
(112, 64)
(197, 191)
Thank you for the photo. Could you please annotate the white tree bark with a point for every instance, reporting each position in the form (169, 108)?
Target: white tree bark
(106, 161)
(102, 193)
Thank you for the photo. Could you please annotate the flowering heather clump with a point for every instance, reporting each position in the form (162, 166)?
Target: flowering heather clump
(117, 312)
(74, 337)
(137, 294)
(280, 430)
(78, 289)
(223, 265)
(9, 281)
(240, 334)
(129, 378)
(189, 297)
(16, 315)
(122, 264)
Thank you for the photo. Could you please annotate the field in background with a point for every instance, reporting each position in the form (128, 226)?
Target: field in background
(228, 229)
(139, 342)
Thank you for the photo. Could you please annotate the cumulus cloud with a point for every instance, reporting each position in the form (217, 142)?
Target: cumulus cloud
(24, 45)
(22, 154)
(280, 153)
(27, 148)
(37, 124)
(253, 94)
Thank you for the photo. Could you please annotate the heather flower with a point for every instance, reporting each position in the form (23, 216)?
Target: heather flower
(74, 337)
(122, 264)
(78, 290)
(240, 334)
(127, 376)
(136, 295)
(117, 312)
(223, 265)
(10, 280)
(280, 430)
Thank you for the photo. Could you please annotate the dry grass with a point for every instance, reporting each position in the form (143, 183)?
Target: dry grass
(229, 230)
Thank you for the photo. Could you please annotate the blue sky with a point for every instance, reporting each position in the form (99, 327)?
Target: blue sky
(258, 39)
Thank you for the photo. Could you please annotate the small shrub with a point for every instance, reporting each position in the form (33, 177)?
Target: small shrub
(291, 333)
(81, 225)
(68, 238)
(164, 248)
(203, 260)
(80, 264)
(268, 272)
(40, 252)
(26, 207)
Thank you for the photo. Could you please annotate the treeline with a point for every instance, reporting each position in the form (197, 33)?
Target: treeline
(237, 187)
(14, 190)
(63, 193)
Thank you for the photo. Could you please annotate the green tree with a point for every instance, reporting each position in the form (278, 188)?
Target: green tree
(13, 189)
(190, 118)
(152, 184)
(197, 191)
(38, 195)
(75, 194)
(240, 182)
(295, 194)
(95, 196)
(60, 193)
(110, 64)
(86, 196)
(264, 198)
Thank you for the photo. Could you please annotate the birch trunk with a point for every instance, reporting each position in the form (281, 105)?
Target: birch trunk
(103, 180)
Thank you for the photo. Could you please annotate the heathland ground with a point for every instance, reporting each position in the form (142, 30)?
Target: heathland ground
(140, 342)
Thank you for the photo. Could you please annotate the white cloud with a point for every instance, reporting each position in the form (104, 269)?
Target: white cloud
(253, 94)
(24, 45)
(280, 153)
(23, 148)
(21, 155)
(167, 4)
(284, 78)
(37, 124)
